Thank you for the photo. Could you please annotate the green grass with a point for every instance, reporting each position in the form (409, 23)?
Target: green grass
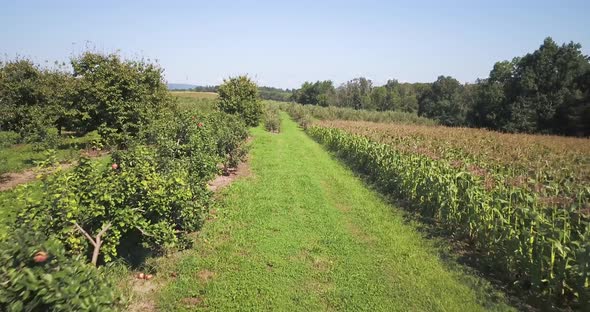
(23, 156)
(303, 233)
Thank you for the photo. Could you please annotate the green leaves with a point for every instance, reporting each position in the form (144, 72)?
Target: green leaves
(152, 195)
(509, 221)
(239, 96)
(105, 93)
(60, 283)
(272, 119)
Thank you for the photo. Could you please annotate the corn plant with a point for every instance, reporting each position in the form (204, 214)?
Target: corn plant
(533, 229)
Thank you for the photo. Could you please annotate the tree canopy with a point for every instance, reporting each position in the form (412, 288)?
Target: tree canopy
(546, 91)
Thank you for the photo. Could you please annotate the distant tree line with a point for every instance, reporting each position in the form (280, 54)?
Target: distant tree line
(205, 89)
(546, 91)
(265, 93)
(276, 94)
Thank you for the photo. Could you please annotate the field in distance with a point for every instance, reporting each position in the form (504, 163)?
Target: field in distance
(203, 101)
(194, 94)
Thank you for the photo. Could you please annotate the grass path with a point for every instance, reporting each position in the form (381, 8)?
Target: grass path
(302, 233)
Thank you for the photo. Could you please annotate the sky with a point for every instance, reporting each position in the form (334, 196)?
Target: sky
(284, 43)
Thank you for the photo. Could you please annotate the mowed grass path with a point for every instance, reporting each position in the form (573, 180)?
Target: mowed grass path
(302, 233)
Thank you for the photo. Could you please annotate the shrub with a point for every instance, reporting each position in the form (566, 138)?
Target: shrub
(297, 111)
(117, 97)
(152, 194)
(95, 141)
(209, 138)
(272, 119)
(300, 114)
(8, 138)
(239, 96)
(47, 138)
(185, 138)
(132, 200)
(230, 133)
(38, 275)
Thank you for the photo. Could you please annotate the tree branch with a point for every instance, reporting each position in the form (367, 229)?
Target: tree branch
(96, 242)
(85, 234)
(143, 232)
(104, 229)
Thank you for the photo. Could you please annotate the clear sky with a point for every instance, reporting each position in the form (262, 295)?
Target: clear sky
(283, 43)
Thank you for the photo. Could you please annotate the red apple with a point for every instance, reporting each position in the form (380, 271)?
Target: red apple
(40, 257)
(114, 166)
(200, 124)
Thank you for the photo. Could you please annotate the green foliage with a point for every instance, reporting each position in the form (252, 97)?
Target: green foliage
(266, 93)
(104, 93)
(359, 93)
(300, 112)
(239, 96)
(18, 157)
(155, 191)
(272, 118)
(545, 91)
(95, 141)
(320, 93)
(152, 195)
(47, 138)
(3, 166)
(205, 105)
(208, 138)
(8, 138)
(230, 133)
(297, 214)
(57, 282)
(380, 99)
(275, 94)
(32, 99)
(443, 102)
(356, 94)
(139, 202)
(117, 97)
(205, 89)
(537, 247)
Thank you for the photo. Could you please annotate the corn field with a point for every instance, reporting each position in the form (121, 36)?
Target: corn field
(523, 201)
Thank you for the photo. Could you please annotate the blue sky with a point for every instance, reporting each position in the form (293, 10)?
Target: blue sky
(282, 43)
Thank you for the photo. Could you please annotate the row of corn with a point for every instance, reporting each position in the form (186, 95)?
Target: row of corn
(541, 249)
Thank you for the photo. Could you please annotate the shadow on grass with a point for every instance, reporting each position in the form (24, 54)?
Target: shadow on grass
(132, 252)
(137, 257)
